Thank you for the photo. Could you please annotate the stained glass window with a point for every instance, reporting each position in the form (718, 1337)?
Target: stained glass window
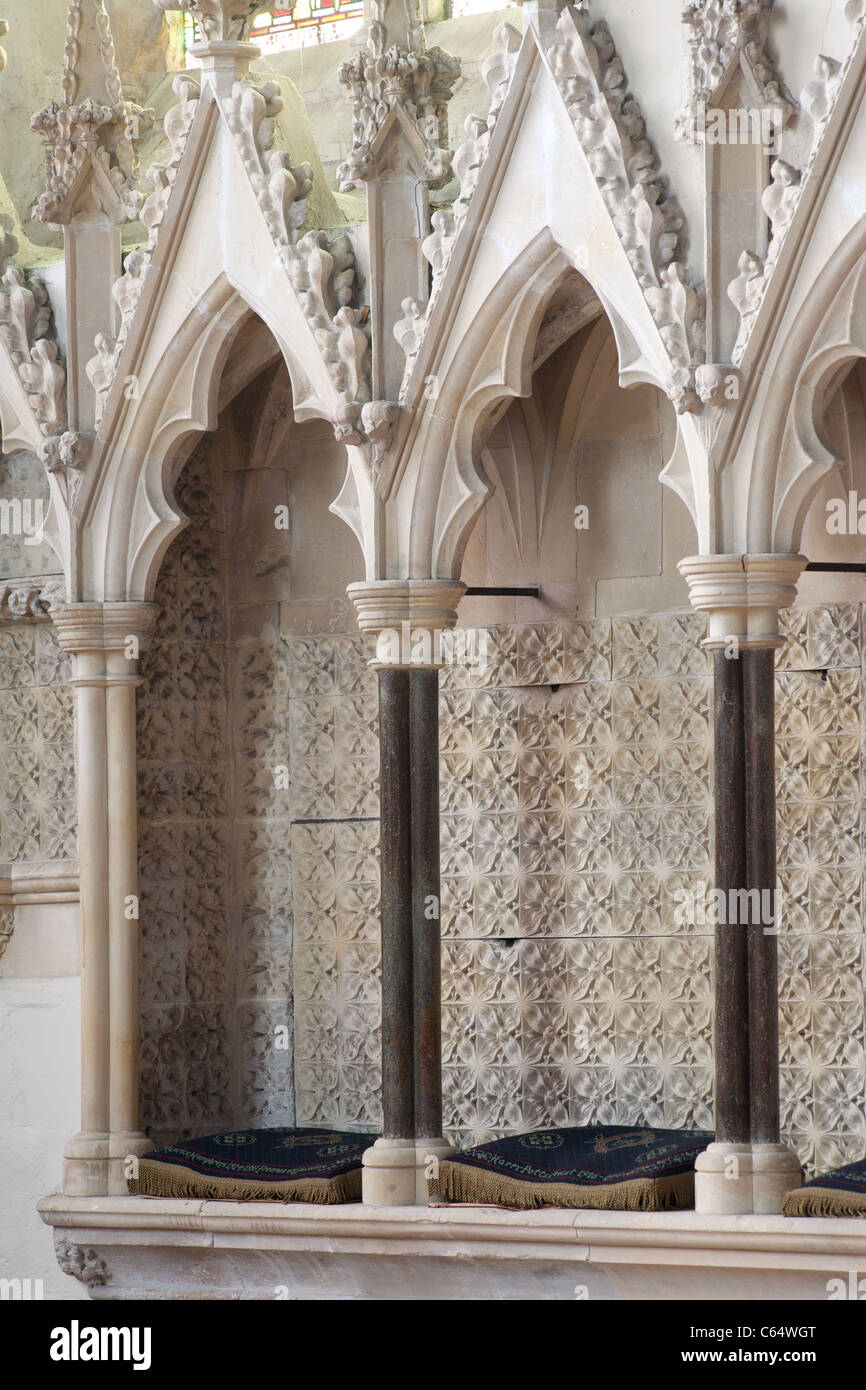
(295, 26)
(459, 8)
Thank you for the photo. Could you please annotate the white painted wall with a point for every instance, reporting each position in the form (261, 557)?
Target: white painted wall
(39, 1110)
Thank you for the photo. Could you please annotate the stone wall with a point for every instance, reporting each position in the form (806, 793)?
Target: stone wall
(214, 852)
(37, 772)
(576, 809)
(214, 754)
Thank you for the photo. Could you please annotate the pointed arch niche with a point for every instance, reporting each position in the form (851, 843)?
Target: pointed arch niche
(844, 430)
(576, 792)
(579, 440)
(224, 750)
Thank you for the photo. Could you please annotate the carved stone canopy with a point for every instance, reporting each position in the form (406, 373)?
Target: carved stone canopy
(220, 19)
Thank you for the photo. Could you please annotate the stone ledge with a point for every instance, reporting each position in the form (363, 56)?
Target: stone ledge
(38, 881)
(155, 1248)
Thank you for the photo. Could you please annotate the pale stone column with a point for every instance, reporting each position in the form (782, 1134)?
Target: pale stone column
(407, 617)
(105, 641)
(747, 1169)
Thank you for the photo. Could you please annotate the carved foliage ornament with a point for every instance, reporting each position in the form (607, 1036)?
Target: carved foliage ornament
(26, 331)
(497, 70)
(220, 19)
(611, 130)
(126, 291)
(380, 79)
(322, 271)
(7, 916)
(90, 133)
(721, 32)
(781, 197)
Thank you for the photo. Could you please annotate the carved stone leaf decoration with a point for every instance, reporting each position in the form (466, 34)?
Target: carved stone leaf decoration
(90, 136)
(27, 332)
(322, 270)
(382, 79)
(648, 220)
(7, 926)
(497, 70)
(281, 190)
(723, 31)
(126, 291)
(781, 197)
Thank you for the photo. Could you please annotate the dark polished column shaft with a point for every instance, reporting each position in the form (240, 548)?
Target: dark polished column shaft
(427, 993)
(396, 911)
(760, 747)
(731, 984)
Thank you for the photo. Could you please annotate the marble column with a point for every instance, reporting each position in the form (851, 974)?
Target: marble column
(407, 619)
(747, 1169)
(105, 641)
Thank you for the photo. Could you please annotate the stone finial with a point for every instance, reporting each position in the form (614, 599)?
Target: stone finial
(221, 20)
(90, 134)
(385, 77)
(4, 30)
(724, 32)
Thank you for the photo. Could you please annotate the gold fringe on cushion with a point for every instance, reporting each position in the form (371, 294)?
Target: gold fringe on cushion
(460, 1182)
(823, 1201)
(157, 1179)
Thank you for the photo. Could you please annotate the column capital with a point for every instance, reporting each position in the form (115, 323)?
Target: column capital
(407, 618)
(742, 595)
(103, 627)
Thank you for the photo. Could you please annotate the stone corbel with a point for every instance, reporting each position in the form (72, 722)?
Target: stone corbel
(742, 596)
(32, 882)
(81, 1262)
(65, 456)
(30, 600)
(718, 384)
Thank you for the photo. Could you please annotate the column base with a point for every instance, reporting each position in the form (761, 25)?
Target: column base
(395, 1171)
(85, 1165)
(744, 1179)
(122, 1146)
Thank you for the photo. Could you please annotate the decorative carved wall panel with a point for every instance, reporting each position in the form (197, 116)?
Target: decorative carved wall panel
(214, 846)
(37, 772)
(574, 820)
